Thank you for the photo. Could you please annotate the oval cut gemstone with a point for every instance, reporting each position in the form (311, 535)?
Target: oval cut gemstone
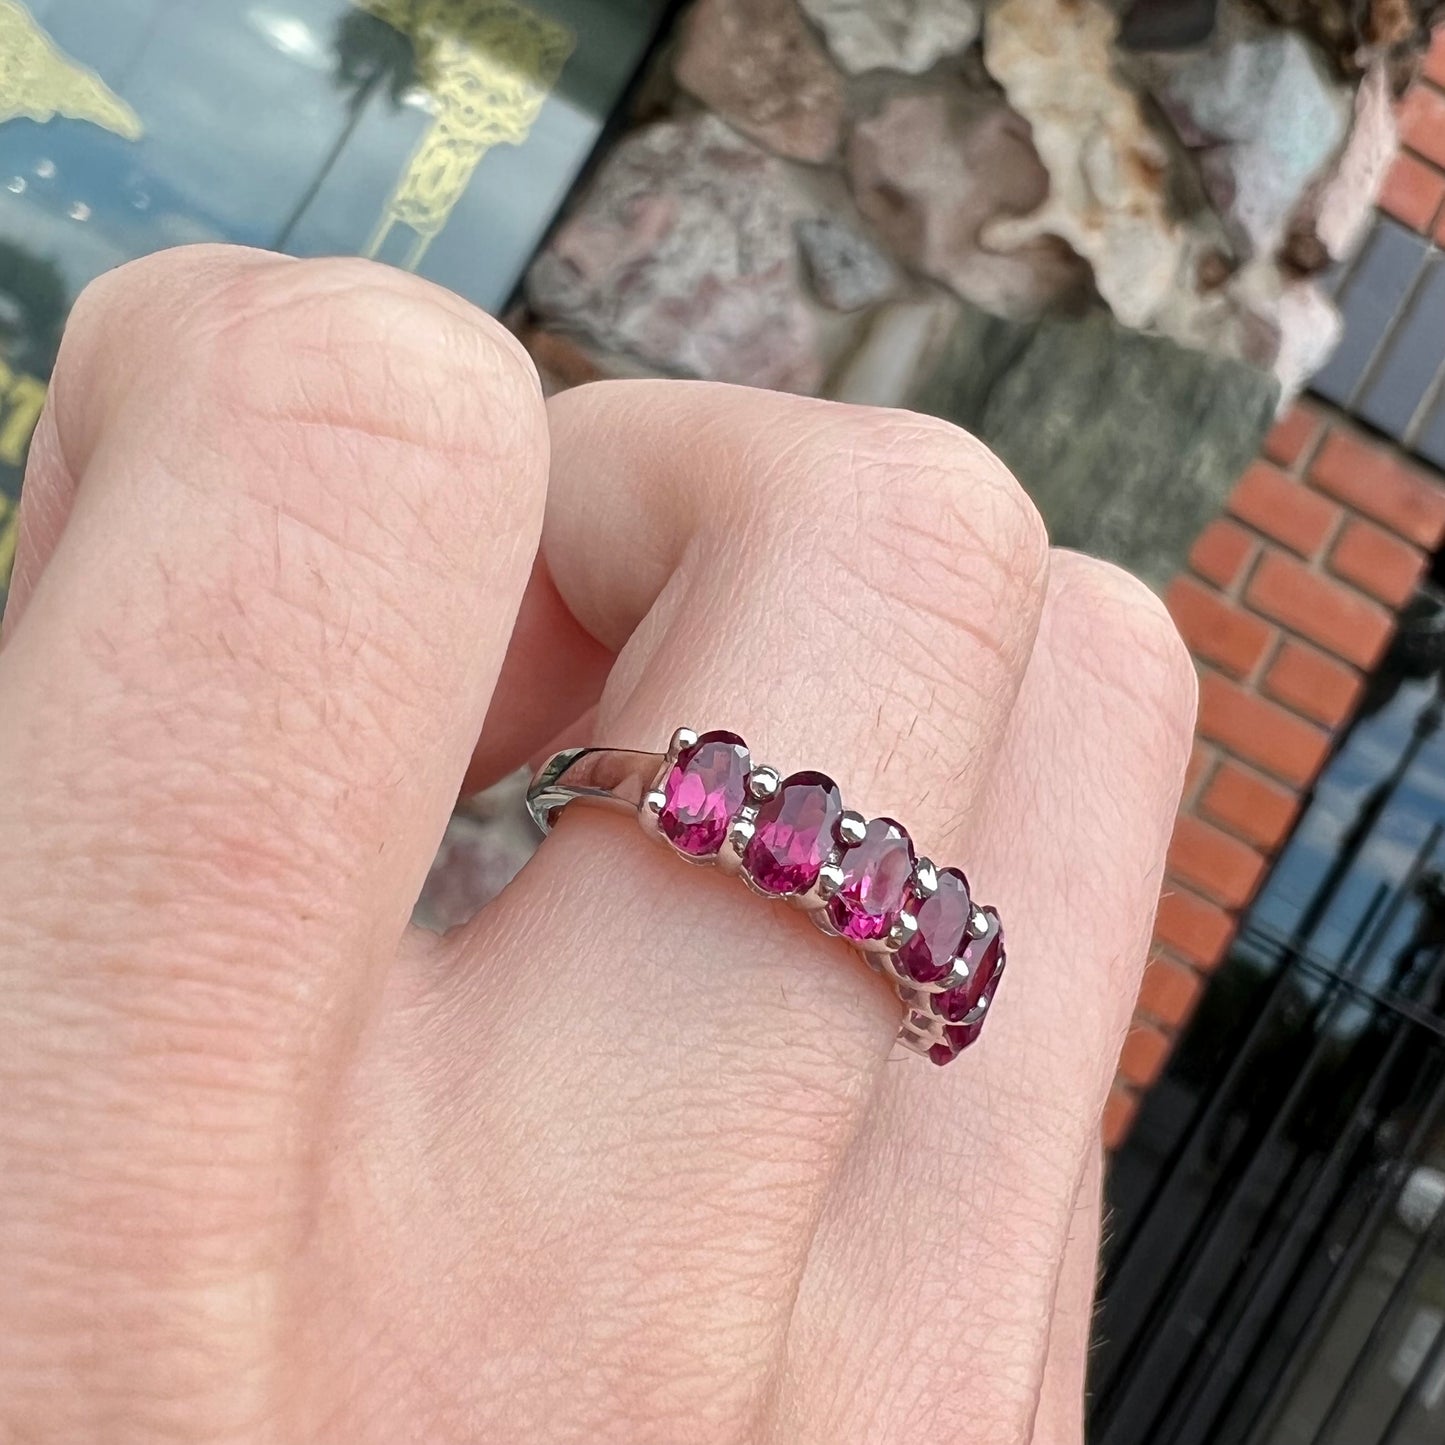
(703, 791)
(984, 957)
(875, 882)
(795, 833)
(942, 924)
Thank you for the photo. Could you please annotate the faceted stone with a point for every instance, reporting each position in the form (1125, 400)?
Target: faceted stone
(875, 882)
(757, 64)
(906, 35)
(704, 790)
(796, 830)
(984, 957)
(957, 1037)
(847, 270)
(681, 255)
(932, 168)
(942, 923)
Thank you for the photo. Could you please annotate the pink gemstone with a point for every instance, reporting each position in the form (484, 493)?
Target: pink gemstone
(957, 1037)
(795, 833)
(984, 958)
(942, 923)
(703, 793)
(875, 882)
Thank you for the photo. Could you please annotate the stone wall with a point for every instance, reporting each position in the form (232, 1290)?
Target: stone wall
(835, 198)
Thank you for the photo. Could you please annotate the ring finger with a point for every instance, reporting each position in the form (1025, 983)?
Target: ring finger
(851, 591)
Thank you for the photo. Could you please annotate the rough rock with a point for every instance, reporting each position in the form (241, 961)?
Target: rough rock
(1261, 115)
(1356, 32)
(1337, 208)
(901, 339)
(907, 35)
(1106, 168)
(681, 253)
(1128, 443)
(1259, 315)
(847, 270)
(758, 65)
(931, 169)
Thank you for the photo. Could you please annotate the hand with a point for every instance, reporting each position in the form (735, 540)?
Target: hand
(631, 1158)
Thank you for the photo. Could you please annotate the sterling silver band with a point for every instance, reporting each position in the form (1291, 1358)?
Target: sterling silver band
(658, 788)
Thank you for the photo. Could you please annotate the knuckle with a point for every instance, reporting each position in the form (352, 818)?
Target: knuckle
(925, 516)
(1133, 649)
(330, 366)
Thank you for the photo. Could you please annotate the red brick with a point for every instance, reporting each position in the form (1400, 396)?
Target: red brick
(1215, 629)
(1259, 731)
(1293, 435)
(1282, 508)
(1192, 927)
(1422, 122)
(1222, 551)
(1313, 684)
(1434, 69)
(1381, 486)
(1257, 810)
(1144, 1053)
(1169, 992)
(1330, 613)
(1221, 867)
(1378, 562)
(1119, 1112)
(1412, 192)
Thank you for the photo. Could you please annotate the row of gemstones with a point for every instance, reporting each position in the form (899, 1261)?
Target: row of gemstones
(796, 832)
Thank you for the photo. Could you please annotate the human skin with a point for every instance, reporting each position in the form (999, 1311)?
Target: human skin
(631, 1157)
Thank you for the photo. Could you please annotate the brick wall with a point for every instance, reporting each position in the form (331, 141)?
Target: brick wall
(1289, 600)
(1291, 597)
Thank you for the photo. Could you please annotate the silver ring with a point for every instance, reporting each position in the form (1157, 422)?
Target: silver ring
(790, 838)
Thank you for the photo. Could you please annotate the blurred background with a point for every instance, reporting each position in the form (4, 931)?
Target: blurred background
(1178, 262)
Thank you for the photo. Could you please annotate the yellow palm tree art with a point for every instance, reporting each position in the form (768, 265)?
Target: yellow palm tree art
(487, 66)
(38, 81)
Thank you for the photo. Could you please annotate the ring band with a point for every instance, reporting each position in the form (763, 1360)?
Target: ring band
(791, 838)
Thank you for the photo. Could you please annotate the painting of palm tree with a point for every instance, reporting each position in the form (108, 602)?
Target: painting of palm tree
(371, 57)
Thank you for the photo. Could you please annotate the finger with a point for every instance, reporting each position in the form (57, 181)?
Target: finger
(851, 590)
(554, 671)
(926, 1306)
(244, 684)
(1060, 1417)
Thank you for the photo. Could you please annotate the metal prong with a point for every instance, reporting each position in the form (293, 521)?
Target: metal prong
(822, 921)
(763, 783)
(913, 1043)
(830, 880)
(682, 738)
(852, 827)
(652, 804)
(978, 923)
(740, 834)
(904, 928)
(925, 878)
(957, 975)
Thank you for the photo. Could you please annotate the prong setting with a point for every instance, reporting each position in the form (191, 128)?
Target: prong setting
(790, 839)
(763, 783)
